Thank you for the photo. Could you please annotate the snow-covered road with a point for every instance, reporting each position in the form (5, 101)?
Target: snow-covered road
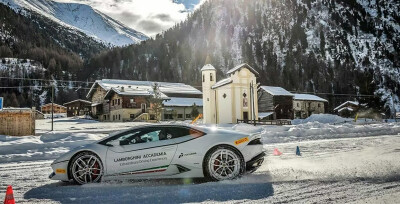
(340, 163)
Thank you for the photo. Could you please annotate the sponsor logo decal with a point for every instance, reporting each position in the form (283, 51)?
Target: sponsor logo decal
(61, 171)
(241, 140)
(188, 154)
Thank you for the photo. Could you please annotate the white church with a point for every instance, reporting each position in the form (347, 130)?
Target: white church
(230, 99)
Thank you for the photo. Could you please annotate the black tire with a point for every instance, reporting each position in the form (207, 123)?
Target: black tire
(206, 169)
(97, 164)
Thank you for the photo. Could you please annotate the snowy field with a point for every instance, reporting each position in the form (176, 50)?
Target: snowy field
(342, 162)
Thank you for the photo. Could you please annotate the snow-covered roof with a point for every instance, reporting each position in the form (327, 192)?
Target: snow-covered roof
(132, 92)
(354, 103)
(165, 87)
(222, 82)
(207, 67)
(276, 91)
(81, 100)
(184, 102)
(308, 97)
(345, 108)
(264, 114)
(231, 71)
(54, 104)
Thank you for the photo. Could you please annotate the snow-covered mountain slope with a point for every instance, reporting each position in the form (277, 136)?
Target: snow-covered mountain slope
(81, 17)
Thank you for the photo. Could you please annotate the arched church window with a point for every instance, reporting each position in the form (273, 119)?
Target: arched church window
(211, 77)
(204, 78)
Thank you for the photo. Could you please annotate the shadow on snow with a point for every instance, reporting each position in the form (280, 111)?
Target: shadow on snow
(251, 187)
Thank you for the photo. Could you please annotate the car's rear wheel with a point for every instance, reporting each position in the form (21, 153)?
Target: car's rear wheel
(86, 167)
(223, 163)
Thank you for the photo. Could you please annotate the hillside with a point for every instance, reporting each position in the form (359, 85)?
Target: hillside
(80, 17)
(325, 46)
(37, 48)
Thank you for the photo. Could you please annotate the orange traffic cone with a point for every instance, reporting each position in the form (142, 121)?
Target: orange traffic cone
(9, 196)
(277, 152)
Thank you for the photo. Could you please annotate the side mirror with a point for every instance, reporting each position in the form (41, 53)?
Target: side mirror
(114, 143)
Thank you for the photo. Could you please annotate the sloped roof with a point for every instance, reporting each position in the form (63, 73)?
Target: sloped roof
(132, 92)
(355, 103)
(244, 65)
(81, 100)
(264, 114)
(308, 97)
(54, 104)
(276, 91)
(222, 82)
(208, 67)
(165, 87)
(183, 102)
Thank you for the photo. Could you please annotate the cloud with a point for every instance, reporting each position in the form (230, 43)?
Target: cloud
(147, 16)
(163, 17)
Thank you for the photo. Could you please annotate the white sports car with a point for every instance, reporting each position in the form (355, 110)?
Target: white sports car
(162, 151)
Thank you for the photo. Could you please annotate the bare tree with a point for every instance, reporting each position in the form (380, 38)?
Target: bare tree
(156, 102)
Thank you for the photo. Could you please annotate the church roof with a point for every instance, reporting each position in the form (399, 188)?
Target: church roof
(244, 65)
(223, 82)
(276, 91)
(207, 67)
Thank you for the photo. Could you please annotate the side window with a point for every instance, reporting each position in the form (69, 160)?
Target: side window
(140, 136)
(176, 132)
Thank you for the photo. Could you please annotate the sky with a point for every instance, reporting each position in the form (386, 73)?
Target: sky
(147, 16)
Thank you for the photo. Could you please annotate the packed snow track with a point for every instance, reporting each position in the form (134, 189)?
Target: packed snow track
(328, 171)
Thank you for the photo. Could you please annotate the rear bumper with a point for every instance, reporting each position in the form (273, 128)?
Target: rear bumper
(255, 162)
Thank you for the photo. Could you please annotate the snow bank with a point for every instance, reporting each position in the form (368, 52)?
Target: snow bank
(47, 146)
(322, 118)
(316, 131)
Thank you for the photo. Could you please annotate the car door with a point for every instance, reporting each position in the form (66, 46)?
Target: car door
(142, 152)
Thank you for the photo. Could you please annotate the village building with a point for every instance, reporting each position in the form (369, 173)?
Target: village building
(182, 108)
(47, 108)
(275, 103)
(347, 109)
(232, 99)
(126, 100)
(306, 104)
(78, 107)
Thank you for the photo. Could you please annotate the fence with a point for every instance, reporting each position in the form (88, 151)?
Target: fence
(17, 121)
(266, 122)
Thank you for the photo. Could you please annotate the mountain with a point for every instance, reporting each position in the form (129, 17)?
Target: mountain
(337, 47)
(82, 18)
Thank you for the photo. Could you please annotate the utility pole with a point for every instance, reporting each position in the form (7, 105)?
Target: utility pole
(52, 107)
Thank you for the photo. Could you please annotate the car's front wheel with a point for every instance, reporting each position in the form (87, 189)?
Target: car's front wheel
(223, 163)
(86, 167)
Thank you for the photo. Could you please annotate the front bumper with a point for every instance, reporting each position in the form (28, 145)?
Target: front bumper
(59, 171)
(255, 162)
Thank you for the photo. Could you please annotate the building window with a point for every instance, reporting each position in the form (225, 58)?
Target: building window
(298, 105)
(132, 116)
(113, 117)
(180, 115)
(211, 77)
(319, 105)
(188, 116)
(119, 116)
(204, 78)
(112, 103)
(168, 116)
(132, 100)
(118, 101)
